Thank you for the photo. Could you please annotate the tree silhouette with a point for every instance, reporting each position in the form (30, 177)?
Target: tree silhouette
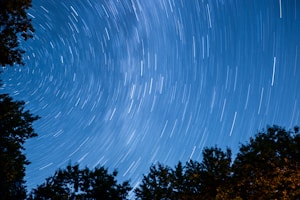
(75, 183)
(156, 185)
(15, 128)
(14, 22)
(178, 182)
(215, 171)
(268, 166)
(193, 181)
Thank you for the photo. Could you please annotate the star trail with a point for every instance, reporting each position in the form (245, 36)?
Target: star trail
(129, 83)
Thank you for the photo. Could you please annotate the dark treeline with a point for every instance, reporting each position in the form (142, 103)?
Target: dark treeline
(266, 167)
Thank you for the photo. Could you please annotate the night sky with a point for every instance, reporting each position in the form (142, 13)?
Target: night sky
(125, 84)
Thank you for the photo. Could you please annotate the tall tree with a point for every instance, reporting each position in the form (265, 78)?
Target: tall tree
(14, 24)
(215, 171)
(193, 181)
(156, 184)
(75, 183)
(178, 182)
(15, 129)
(268, 166)
(202, 180)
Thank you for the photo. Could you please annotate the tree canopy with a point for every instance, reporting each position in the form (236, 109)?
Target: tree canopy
(16, 123)
(14, 22)
(75, 183)
(15, 128)
(194, 180)
(268, 167)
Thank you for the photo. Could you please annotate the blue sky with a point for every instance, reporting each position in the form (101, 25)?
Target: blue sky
(129, 83)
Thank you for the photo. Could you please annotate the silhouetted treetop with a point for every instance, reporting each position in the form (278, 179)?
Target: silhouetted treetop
(14, 22)
(75, 183)
(15, 129)
(267, 167)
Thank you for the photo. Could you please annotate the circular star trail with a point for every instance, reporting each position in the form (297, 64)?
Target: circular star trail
(125, 84)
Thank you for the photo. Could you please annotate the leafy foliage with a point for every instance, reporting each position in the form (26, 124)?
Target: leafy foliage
(268, 167)
(75, 183)
(157, 184)
(15, 129)
(14, 22)
(193, 181)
